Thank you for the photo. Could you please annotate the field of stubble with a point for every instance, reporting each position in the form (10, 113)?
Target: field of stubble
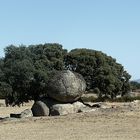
(103, 124)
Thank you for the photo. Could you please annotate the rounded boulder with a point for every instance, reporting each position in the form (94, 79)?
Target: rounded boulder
(39, 108)
(66, 86)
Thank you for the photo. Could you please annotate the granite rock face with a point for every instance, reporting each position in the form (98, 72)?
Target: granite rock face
(66, 86)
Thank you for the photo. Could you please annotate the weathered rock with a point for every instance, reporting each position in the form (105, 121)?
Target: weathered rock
(65, 109)
(62, 109)
(23, 114)
(54, 108)
(66, 86)
(78, 107)
(39, 108)
(26, 113)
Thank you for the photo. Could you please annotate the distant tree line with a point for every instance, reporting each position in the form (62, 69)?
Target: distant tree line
(135, 85)
(25, 71)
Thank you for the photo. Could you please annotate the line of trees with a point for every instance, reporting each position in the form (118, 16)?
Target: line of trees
(24, 71)
(135, 86)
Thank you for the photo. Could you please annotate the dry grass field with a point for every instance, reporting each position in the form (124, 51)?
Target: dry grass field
(117, 123)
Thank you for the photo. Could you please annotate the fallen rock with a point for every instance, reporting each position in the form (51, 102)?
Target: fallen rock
(66, 86)
(39, 108)
(78, 107)
(26, 113)
(62, 109)
(51, 107)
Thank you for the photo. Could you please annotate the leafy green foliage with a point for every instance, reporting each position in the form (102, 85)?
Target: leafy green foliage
(135, 85)
(100, 71)
(24, 71)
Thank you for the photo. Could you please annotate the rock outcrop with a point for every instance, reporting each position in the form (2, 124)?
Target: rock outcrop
(64, 89)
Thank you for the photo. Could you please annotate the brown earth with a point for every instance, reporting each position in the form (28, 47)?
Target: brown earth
(120, 122)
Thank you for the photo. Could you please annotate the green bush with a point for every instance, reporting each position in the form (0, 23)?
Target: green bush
(25, 71)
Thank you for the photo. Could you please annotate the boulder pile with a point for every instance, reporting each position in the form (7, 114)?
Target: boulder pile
(64, 89)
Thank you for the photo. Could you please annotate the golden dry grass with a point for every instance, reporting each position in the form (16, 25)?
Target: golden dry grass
(112, 124)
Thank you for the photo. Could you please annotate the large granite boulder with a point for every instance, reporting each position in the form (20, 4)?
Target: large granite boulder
(66, 86)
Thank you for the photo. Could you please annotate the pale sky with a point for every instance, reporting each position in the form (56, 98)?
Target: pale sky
(111, 26)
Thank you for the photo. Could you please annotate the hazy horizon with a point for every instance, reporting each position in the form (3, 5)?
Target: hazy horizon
(112, 27)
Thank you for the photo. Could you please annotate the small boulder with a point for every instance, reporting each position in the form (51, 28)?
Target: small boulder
(78, 107)
(62, 109)
(39, 108)
(65, 109)
(26, 113)
(66, 86)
